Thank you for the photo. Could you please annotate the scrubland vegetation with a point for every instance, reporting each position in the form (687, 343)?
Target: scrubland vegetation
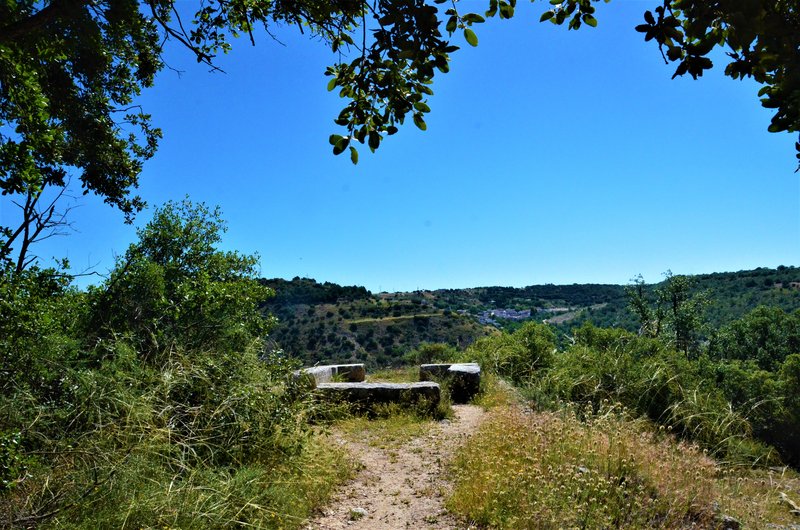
(621, 430)
(152, 400)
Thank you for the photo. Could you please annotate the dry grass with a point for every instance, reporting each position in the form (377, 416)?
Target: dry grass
(392, 426)
(406, 374)
(754, 495)
(548, 470)
(496, 392)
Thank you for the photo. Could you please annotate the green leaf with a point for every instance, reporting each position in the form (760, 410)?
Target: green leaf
(331, 84)
(422, 107)
(374, 140)
(472, 39)
(353, 155)
(547, 15)
(590, 20)
(419, 122)
(341, 145)
(334, 138)
(473, 18)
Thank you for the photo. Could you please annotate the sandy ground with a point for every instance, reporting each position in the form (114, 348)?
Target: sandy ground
(401, 487)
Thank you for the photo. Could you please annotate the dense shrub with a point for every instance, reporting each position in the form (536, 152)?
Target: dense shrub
(517, 356)
(651, 380)
(427, 353)
(38, 312)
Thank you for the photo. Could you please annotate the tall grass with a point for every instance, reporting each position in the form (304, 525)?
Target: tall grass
(598, 469)
(206, 440)
(655, 382)
(144, 492)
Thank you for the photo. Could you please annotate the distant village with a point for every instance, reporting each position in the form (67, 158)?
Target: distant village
(490, 317)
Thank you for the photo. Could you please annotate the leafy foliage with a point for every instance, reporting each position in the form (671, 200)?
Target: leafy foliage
(762, 39)
(73, 107)
(765, 336)
(677, 312)
(428, 353)
(517, 356)
(38, 315)
(174, 287)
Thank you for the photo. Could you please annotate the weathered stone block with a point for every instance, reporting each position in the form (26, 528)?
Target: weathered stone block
(353, 373)
(464, 379)
(369, 394)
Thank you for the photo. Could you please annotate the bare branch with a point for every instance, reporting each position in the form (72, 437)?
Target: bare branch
(37, 224)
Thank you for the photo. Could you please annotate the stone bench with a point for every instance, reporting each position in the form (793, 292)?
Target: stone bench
(464, 379)
(353, 373)
(368, 394)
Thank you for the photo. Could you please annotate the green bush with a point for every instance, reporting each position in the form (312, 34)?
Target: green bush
(38, 312)
(12, 462)
(610, 366)
(766, 336)
(427, 353)
(517, 356)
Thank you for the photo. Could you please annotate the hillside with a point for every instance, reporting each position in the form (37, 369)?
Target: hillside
(731, 296)
(326, 321)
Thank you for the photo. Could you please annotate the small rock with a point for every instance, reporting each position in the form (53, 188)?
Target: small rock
(357, 513)
(726, 522)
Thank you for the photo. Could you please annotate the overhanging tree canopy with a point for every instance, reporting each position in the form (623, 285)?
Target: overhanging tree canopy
(70, 71)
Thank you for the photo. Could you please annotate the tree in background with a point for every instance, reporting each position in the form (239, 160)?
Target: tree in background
(676, 313)
(766, 336)
(174, 286)
(70, 72)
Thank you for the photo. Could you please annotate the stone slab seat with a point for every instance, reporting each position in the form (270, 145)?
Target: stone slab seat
(353, 373)
(367, 394)
(464, 378)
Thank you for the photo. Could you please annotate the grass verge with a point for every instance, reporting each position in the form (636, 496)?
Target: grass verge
(143, 493)
(393, 424)
(406, 374)
(553, 469)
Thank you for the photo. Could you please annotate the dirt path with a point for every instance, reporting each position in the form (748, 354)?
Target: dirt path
(401, 487)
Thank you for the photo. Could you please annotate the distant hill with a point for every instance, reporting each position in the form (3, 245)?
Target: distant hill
(330, 322)
(732, 295)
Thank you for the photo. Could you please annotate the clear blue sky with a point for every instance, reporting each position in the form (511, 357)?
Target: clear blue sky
(550, 157)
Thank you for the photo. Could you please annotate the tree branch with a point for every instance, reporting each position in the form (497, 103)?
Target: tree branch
(37, 21)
